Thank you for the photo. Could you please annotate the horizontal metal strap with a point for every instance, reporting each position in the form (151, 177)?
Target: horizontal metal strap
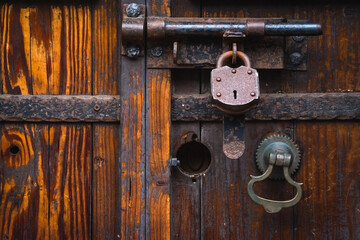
(106, 108)
(297, 106)
(60, 108)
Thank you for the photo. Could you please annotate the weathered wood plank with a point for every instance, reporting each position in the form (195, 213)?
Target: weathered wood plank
(333, 57)
(185, 202)
(106, 47)
(185, 194)
(15, 49)
(106, 214)
(300, 106)
(25, 183)
(60, 108)
(228, 212)
(132, 146)
(70, 145)
(70, 150)
(158, 153)
(75, 48)
(158, 105)
(330, 171)
(106, 178)
(40, 48)
(24, 206)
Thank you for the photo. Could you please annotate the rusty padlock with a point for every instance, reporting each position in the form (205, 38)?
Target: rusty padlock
(234, 90)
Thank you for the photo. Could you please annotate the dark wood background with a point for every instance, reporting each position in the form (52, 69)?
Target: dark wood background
(110, 181)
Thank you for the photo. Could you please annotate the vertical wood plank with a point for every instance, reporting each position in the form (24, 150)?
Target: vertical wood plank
(106, 46)
(25, 188)
(24, 181)
(158, 102)
(71, 36)
(330, 172)
(40, 48)
(158, 153)
(185, 194)
(15, 49)
(106, 207)
(70, 148)
(132, 146)
(106, 170)
(70, 144)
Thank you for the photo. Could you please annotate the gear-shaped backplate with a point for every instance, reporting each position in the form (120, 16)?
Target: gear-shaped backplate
(281, 144)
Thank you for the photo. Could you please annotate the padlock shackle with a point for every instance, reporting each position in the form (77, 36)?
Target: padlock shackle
(239, 54)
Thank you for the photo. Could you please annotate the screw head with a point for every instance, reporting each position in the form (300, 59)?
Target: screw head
(218, 79)
(97, 107)
(132, 51)
(249, 72)
(296, 58)
(253, 94)
(133, 10)
(218, 94)
(233, 70)
(157, 51)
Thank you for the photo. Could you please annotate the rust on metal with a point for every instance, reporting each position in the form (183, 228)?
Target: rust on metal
(285, 106)
(133, 30)
(229, 54)
(161, 28)
(60, 108)
(255, 27)
(233, 93)
(233, 136)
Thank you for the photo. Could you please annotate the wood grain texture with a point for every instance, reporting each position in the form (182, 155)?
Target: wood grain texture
(158, 152)
(228, 212)
(158, 104)
(15, 49)
(106, 178)
(334, 56)
(75, 48)
(106, 204)
(70, 150)
(185, 220)
(106, 46)
(24, 195)
(131, 153)
(132, 147)
(330, 172)
(27, 178)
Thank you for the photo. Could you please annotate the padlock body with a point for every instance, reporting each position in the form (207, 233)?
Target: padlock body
(235, 90)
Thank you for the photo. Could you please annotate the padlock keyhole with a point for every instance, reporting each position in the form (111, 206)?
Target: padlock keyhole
(235, 94)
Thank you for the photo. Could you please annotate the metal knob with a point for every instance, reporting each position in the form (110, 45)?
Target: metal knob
(278, 151)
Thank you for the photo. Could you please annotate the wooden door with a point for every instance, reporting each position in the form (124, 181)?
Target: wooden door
(86, 133)
(217, 206)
